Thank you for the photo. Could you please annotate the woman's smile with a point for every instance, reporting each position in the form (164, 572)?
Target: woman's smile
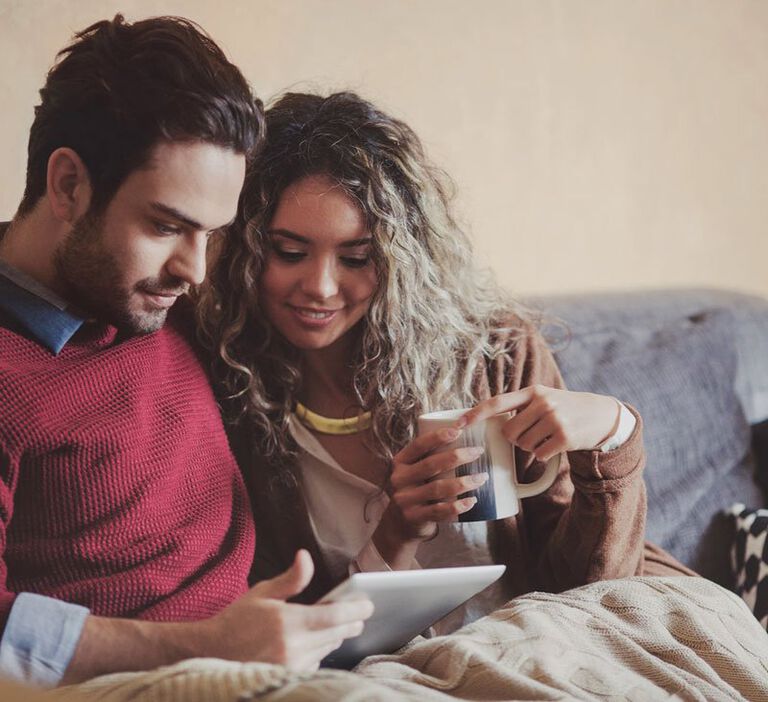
(313, 317)
(319, 277)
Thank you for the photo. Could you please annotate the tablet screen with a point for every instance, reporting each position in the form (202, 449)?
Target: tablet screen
(406, 602)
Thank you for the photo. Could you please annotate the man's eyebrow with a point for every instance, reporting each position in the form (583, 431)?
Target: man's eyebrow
(176, 214)
(303, 240)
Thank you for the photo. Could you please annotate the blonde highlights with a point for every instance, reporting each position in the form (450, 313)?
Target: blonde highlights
(434, 318)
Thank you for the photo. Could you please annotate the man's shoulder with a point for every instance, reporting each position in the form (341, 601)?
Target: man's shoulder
(20, 372)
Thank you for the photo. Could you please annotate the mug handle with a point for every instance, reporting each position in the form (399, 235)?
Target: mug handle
(543, 483)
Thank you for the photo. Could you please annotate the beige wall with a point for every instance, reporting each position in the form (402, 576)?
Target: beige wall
(595, 143)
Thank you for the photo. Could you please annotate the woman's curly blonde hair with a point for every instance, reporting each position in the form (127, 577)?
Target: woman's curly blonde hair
(433, 318)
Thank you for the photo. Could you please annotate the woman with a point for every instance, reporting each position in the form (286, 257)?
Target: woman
(343, 306)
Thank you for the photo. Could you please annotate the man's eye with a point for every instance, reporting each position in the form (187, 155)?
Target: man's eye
(287, 255)
(166, 229)
(356, 261)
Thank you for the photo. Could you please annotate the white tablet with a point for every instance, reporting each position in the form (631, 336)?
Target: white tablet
(406, 602)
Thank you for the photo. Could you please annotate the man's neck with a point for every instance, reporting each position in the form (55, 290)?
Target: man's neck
(28, 245)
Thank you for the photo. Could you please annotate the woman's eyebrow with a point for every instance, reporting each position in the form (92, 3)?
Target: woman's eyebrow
(288, 235)
(350, 243)
(356, 242)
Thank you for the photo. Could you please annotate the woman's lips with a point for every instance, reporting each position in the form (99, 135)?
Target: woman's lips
(312, 317)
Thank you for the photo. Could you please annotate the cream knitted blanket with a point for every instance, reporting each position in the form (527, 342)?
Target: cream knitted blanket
(636, 639)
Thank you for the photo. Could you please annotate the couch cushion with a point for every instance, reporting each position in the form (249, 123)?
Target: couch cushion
(680, 370)
(650, 309)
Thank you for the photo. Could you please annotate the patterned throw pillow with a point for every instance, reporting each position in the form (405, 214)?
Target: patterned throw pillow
(749, 556)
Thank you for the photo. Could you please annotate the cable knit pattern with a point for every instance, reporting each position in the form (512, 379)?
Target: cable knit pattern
(637, 639)
(118, 490)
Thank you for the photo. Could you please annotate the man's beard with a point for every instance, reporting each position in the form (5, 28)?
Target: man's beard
(93, 280)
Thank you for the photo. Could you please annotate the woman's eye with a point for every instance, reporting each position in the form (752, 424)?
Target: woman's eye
(287, 255)
(356, 261)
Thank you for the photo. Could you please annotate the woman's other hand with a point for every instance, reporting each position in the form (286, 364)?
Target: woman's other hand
(549, 421)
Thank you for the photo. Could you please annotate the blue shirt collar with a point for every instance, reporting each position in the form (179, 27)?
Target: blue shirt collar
(38, 310)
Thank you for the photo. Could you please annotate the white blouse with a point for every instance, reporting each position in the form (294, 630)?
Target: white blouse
(344, 511)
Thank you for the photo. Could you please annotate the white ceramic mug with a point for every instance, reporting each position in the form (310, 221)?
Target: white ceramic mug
(499, 496)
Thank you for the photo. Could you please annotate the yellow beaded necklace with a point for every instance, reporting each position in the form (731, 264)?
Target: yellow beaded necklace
(329, 425)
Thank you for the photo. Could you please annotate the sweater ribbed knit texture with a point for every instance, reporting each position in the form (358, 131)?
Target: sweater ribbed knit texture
(118, 490)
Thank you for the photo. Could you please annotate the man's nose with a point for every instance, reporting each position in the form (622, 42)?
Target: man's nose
(188, 262)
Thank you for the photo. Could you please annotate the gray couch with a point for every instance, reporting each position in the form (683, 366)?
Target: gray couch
(695, 365)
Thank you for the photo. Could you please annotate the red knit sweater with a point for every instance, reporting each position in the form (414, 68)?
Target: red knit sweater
(118, 490)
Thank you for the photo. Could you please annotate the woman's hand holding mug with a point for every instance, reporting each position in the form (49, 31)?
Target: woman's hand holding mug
(424, 488)
(471, 450)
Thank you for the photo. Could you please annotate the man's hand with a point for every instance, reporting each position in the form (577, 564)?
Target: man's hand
(261, 626)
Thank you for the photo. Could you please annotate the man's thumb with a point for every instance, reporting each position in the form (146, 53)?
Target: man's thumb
(290, 582)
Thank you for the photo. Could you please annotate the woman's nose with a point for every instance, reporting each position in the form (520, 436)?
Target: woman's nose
(320, 280)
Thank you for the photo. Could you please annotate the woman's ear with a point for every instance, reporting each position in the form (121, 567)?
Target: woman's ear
(68, 185)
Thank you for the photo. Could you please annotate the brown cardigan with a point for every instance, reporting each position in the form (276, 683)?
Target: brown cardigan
(589, 525)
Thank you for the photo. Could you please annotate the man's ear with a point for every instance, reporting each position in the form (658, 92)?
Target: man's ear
(68, 185)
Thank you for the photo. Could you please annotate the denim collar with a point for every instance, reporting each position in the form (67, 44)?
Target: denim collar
(38, 310)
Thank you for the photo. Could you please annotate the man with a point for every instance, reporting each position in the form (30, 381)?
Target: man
(125, 530)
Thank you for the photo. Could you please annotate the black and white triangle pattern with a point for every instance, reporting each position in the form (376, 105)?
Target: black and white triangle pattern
(749, 558)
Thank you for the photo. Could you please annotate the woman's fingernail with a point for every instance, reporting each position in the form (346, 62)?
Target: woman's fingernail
(479, 478)
(477, 451)
(469, 502)
(449, 434)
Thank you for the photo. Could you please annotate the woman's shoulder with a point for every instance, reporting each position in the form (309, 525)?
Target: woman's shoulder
(521, 355)
(517, 332)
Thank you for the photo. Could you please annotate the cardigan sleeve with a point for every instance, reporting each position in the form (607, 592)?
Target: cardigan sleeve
(590, 524)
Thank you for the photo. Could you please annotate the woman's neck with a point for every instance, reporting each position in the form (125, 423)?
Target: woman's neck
(327, 380)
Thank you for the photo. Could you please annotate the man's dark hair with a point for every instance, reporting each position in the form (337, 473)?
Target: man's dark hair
(121, 88)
